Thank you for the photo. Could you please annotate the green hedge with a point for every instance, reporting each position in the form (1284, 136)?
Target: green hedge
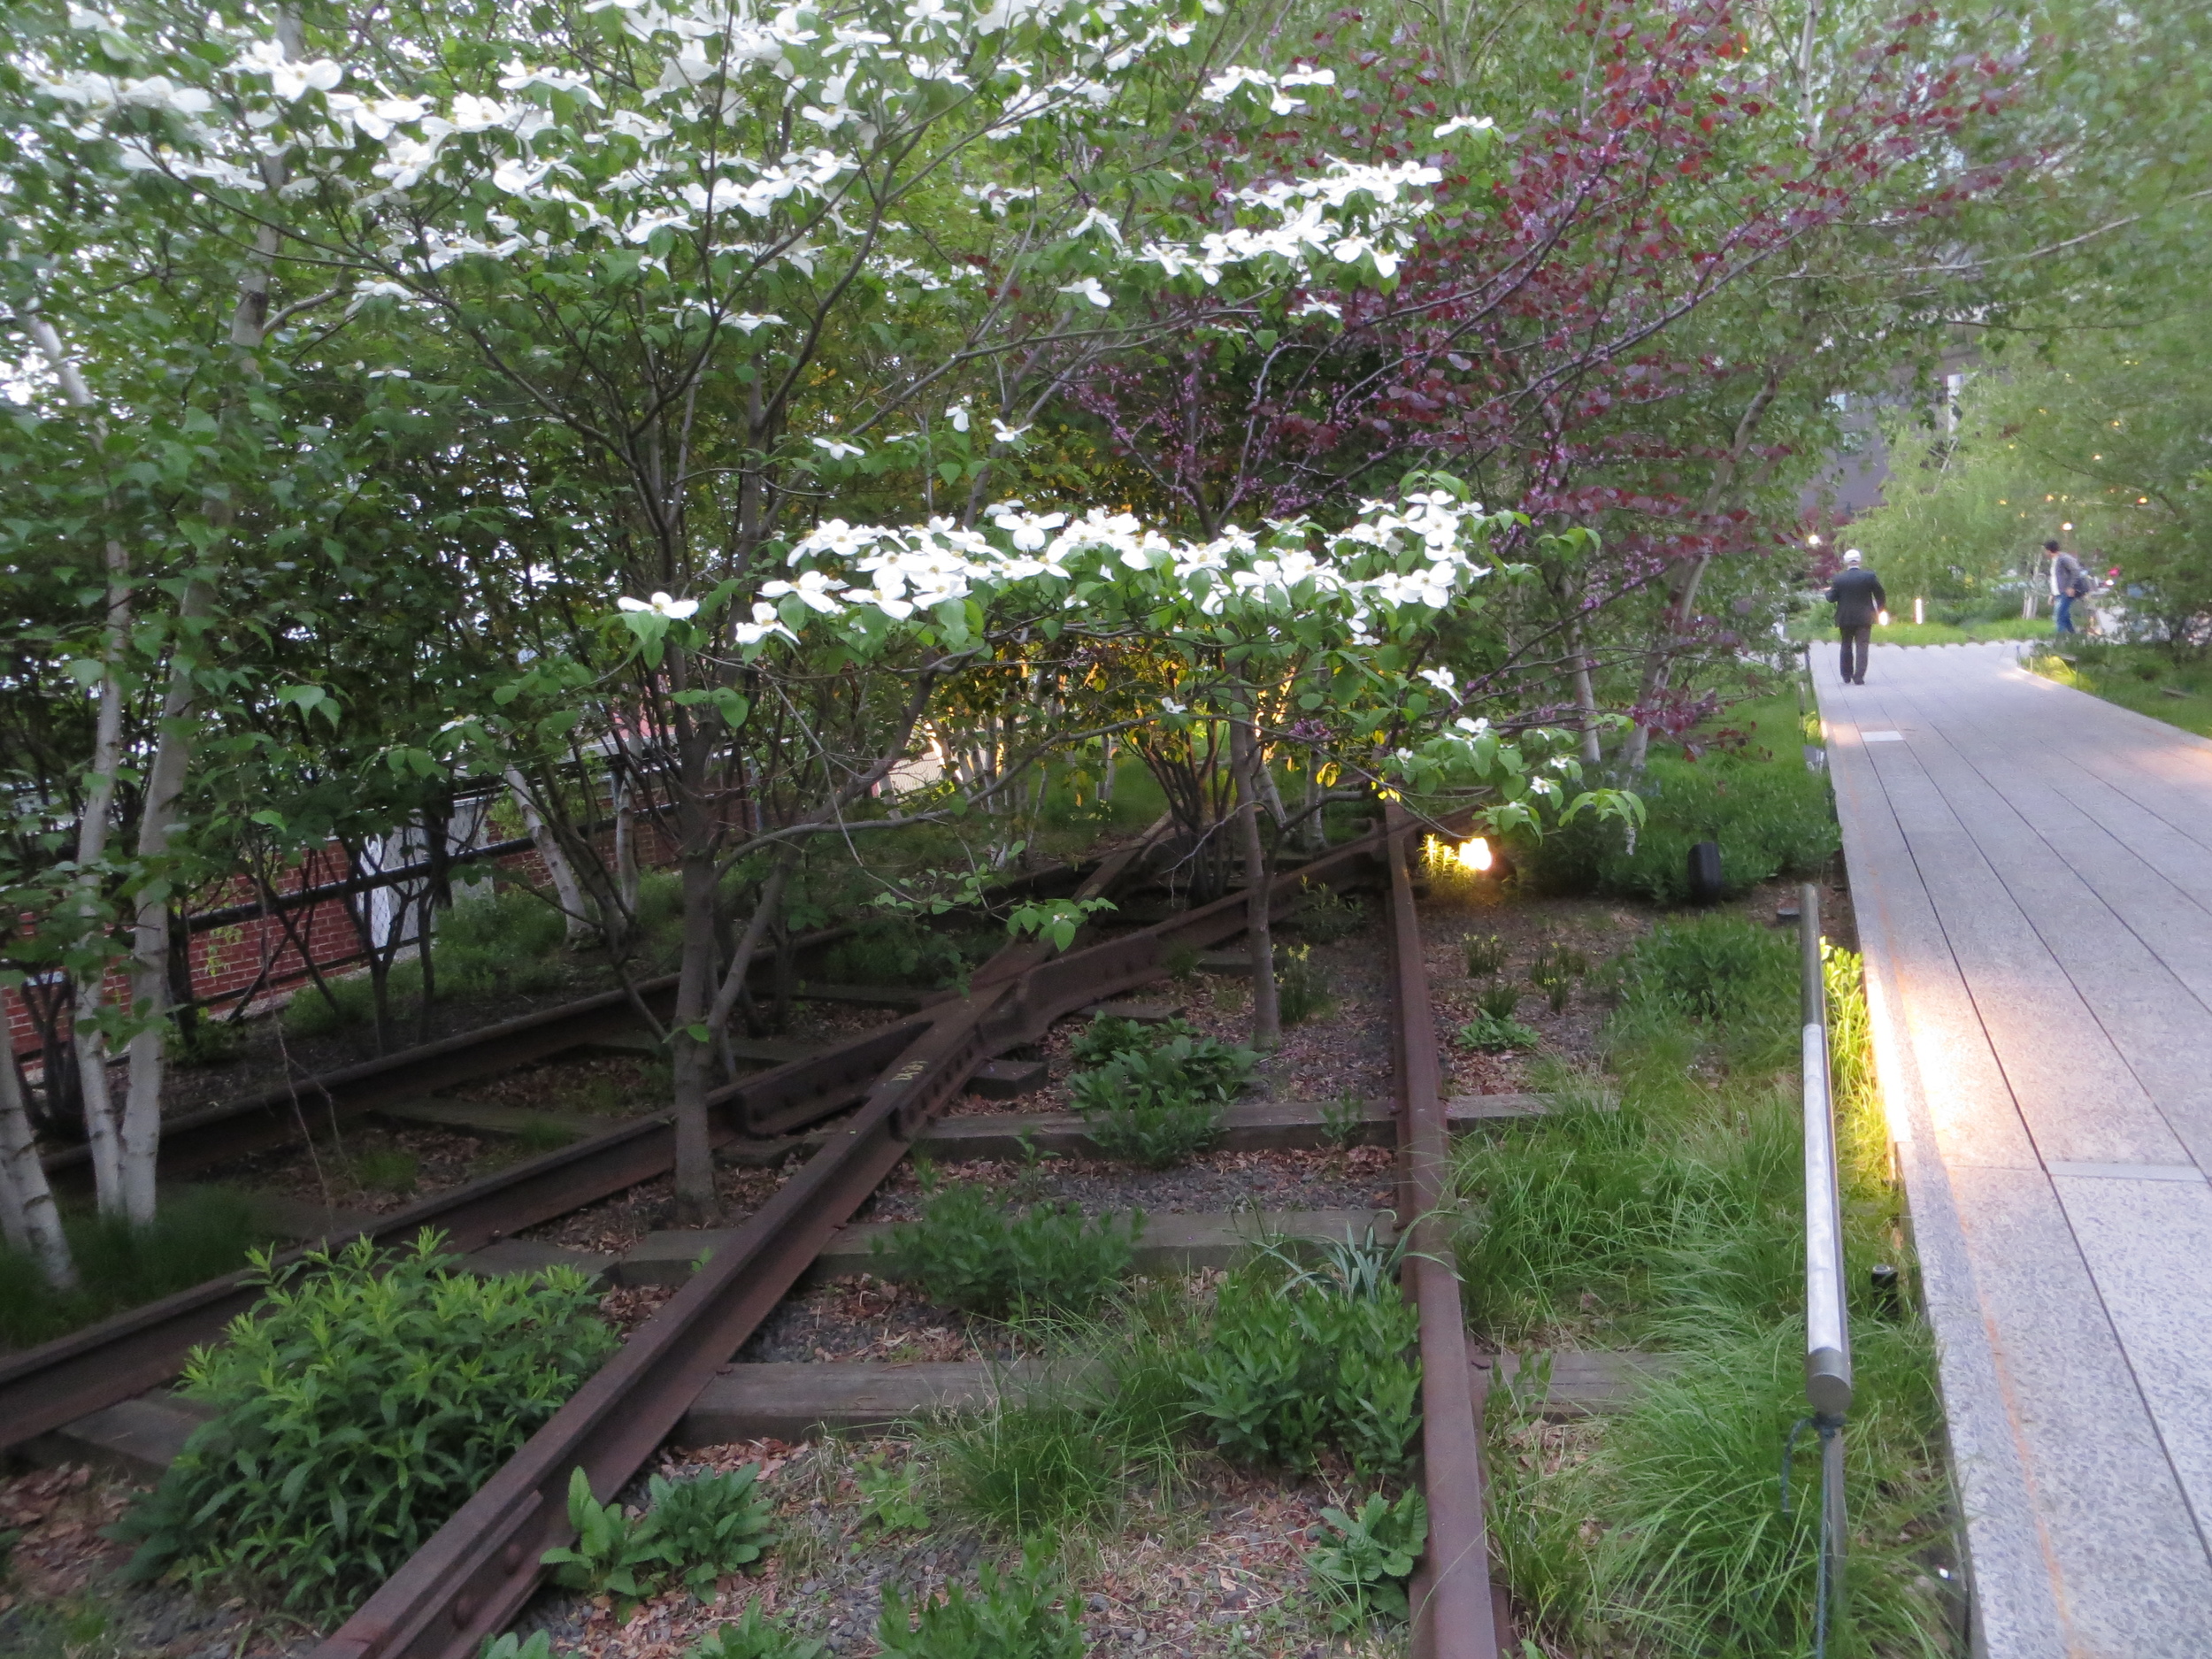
(1770, 816)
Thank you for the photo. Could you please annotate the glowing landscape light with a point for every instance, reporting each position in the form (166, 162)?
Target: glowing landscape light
(1474, 855)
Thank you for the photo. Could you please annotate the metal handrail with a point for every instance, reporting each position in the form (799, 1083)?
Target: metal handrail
(1827, 1316)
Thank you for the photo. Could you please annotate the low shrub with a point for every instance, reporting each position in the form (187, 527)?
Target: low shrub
(1292, 1362)
(970, 1252)
(1491, 1034)
(1160, 1106)
(712, 1526)
(502, 943)
(1360, 1566)
(345, 1002)
(199, 1233)
(900, 952)
(1109, 1037)
(1016, 1615)
(1325, 915)
(1770, 817)
(691, 1531)
(615, 1553)
(1343, 1116)
(361, 1403)
(755, 1636)
(888, 1497)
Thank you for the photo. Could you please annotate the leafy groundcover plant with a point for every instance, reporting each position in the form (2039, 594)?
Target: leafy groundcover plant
(1020, 1614)
(362, 1401)
(1297, 1361)
(968, 1251)
(1156, 1101)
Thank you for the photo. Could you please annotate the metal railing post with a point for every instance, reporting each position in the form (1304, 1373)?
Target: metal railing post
(1827, 1324)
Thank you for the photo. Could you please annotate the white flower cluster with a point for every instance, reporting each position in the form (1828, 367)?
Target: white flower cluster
(1312, 215)
(1420, 553)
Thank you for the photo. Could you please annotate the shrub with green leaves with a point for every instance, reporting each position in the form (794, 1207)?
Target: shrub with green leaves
(1109, 1037)
(691, 1531)
(614, 1553)
(1361, 1568)
(755, 1636)
(361, 1403)
(538, 1646)
(971, 1252)
(1487, 1033)
(1016, 1615)
(1770, 816)
(1325, 915)
(505, 942)
(888, 1499)
(1160, 1106)
(711, 1525)
(1293, 1363)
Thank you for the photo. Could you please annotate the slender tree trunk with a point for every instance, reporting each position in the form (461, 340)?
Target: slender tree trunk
(1586, 700)
(93, 826)
(691, 1036)
(177, 741)
(1107, 770)
(1267, 1021)
(27, 1204)
(566, 887)
(628, 879)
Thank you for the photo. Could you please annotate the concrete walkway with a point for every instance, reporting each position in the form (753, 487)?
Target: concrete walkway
(2032, 874)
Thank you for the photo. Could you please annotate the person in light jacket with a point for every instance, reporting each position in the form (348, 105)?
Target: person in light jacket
(2069, 582)
(1859, 601)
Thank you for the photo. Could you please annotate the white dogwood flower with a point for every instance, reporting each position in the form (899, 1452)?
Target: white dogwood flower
(1089, 288)
(661, 604)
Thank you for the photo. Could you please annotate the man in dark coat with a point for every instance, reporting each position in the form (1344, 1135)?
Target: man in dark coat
(1858, 598)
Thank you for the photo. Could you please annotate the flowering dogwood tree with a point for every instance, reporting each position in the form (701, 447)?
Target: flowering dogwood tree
(691, 269)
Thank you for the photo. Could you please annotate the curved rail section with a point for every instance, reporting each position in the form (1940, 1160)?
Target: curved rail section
(473, 1576)
(1453, 1614)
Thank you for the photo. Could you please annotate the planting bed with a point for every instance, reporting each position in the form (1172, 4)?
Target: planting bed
(1179, 1549)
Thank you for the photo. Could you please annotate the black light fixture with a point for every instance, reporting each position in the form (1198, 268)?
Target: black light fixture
(1705, 873)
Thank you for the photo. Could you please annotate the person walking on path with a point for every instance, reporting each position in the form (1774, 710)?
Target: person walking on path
(2069, 582)
(1859, 600)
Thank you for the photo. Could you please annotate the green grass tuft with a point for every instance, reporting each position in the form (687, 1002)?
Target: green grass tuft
(199, 1233)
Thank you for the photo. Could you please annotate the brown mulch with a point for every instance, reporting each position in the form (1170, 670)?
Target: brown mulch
(61, 1597)
(1215, 1567)
(616, 1224)
(330, 1171)
(859, 1316)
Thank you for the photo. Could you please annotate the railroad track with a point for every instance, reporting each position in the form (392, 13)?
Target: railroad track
(193, 1142)
(474, 1575)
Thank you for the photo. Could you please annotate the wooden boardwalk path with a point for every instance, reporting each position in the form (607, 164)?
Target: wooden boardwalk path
(2031, 870)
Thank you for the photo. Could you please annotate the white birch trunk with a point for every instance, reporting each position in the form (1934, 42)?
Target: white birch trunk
(177, 743)
(93, 826)
(26, 1203)
(566, 888)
